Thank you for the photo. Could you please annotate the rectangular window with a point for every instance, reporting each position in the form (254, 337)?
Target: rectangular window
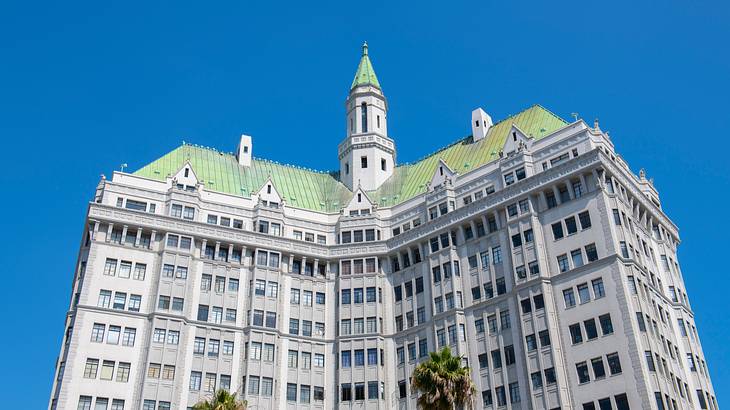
(557, 230)
(569, 297)
(585, 220)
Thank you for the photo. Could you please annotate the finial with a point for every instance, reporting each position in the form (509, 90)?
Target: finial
(595, 124)
(365, 48)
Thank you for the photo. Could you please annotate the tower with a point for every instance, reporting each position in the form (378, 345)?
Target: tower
(367, 154)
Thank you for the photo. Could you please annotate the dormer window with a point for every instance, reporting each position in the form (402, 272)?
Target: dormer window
(187, 172)
(514, 136)
(268, 189)
(359, 197)
(441, 171)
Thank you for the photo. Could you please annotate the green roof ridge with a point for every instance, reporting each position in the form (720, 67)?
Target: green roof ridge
(365, 74)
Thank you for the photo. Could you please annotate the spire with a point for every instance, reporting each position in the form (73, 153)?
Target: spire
(365, 73)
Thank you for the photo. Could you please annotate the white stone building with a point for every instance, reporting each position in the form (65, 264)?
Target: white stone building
(529, 247)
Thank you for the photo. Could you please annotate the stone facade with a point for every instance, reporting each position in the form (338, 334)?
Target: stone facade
(552, 270)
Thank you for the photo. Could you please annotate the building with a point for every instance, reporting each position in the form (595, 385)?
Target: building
(529, 247)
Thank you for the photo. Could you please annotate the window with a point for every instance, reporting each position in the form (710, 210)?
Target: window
(110, 267)
(97, 333)
(599, 370)
(585, 220)
(563, 264)
(304, 393)
(514, 392)
(591, 253)
(598, 290)
(153, 371)
(576, 335)
(583, 294)
(606, 325)
(614, 363)
(577, 257)
(402, 389)
(91, 368)
(569, 298)
(557, 230)
(544, 338)
(346, 391)
(496, 359)
(591, 330)
(531, 342)
(253, 384)
(583, 375)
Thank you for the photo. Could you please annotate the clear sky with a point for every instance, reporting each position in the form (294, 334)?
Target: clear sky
(87, 87)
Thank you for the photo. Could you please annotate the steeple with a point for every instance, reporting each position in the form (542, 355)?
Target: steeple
(365, 74)
(367, 154)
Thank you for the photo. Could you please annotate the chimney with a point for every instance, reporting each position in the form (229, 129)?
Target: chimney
(243, 153)
(480, 124)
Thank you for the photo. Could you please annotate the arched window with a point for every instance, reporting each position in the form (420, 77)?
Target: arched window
(364, 114)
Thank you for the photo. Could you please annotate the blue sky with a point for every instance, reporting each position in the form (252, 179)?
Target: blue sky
(87, 87)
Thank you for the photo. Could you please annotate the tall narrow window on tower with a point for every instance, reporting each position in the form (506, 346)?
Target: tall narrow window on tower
(363, 162)
(383, 164)
(364, 113)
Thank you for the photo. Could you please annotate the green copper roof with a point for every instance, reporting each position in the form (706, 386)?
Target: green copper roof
(321, 191)
(409, 180)
(219, 171)
(365, 73)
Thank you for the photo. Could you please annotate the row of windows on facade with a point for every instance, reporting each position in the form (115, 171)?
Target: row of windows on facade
(597, 369)
(359, 235)
(658, 311)
(669, 265)
(120, 237)
(407, 226)
(359, 356)
(355, 295)
(500, 397)
(303, 393)
(263, 226)
(295, 359)
(358, 326)
(119, 301)
(275, 228)
(208, 384)
(410, 321)
(591, 330)
(100, 403)
(481, 193)
(640, 213)
(669, 348)
(105, 370)
(304, 297)
(654, 362)
(621, 401)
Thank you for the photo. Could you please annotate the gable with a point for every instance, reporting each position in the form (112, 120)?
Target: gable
(441, 174)
(516, 141)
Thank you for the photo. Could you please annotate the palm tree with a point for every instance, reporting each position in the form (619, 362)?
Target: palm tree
(443, 383)
(221, 400)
